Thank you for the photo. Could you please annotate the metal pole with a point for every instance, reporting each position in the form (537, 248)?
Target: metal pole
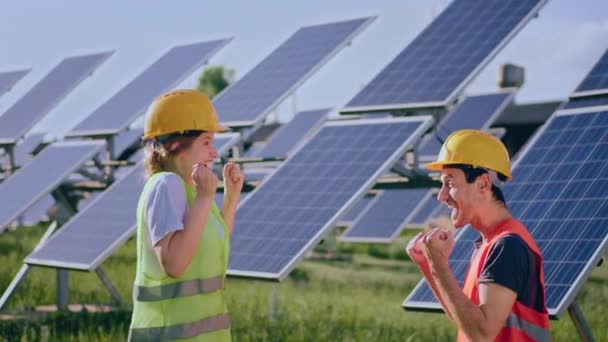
(274, 302)
(106, 282)
(582, 328)
(63, 289)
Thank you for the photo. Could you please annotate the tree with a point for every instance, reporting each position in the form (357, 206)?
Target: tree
(214, 79)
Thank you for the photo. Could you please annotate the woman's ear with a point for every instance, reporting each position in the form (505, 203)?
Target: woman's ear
(172, 146)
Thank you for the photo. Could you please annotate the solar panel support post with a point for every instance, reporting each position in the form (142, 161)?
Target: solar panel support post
(274, 302)
(24, 270)
(10, 153)
(108, 284)
(582, 328)
(108, 170)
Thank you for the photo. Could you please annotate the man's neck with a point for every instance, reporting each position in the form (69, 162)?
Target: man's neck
(489, 218)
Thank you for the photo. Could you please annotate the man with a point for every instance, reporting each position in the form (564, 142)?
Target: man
(503, 298)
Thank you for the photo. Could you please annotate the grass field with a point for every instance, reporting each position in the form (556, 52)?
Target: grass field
(358, 299)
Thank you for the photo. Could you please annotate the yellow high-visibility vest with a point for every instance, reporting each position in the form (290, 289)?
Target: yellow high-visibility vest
(193, 306)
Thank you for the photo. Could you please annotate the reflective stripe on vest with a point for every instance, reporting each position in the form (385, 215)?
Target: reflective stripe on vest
(175, 332)
(530, 329)
(175, 290)
(530, 322)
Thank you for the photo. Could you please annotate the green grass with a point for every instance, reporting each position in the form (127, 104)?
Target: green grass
(357, 298)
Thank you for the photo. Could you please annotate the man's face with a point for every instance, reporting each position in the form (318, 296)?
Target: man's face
(460, 196)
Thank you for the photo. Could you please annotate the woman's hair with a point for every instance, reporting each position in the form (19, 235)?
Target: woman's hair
(159, 152)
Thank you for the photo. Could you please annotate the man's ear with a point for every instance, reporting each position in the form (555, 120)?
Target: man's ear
(484, 182)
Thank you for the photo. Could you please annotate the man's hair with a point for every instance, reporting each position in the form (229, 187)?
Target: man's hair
(471, 173)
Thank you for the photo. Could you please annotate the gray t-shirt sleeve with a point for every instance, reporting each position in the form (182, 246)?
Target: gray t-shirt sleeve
(166, 207)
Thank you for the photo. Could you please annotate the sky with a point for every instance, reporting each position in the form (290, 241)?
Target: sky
(557, 48)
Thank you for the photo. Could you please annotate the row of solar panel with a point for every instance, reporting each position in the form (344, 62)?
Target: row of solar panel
(293, 208)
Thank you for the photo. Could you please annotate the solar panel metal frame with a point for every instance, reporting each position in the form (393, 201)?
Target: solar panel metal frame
(75, 132)
(388, 107)
(15, 76)
(425, 123)
(592, 262)
(485, 127)
(304, 78)
(103, 57)
(583, 93)
(402, 225)
(99, 146)
(127, 233)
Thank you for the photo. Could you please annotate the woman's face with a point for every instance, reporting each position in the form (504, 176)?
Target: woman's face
(202, 151)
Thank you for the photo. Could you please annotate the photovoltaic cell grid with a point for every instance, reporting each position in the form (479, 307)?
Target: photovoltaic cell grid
(560, 192)
(246, 102)
(446, 56)
(8, 79)
(132, 100)
(41, 175)
(46, 94)
(386, 216)
(290, 211)
(475, 112)
(287, 137)
(93, 233)
(596, 82)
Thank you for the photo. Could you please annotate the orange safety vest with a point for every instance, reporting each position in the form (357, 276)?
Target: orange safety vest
(523, 323)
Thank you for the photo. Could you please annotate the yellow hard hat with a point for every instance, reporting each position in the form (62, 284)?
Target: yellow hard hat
(180, 111)
(476, 148)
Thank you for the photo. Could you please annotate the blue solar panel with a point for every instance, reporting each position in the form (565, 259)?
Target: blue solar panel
(475, 112)
(560, 192)
(446, 56)
(287, 137)
(358, 209)
(24, 149)
(246, 102)
(223, 142)
(133, 99)
(586, 102)
(386, 217)
(46, 94)
(94, 233)
(596, 82)
(41, 175)
(8, 79)
(425, 211)
(289, 213)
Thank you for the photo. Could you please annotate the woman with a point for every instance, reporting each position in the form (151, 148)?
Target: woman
(183, 239)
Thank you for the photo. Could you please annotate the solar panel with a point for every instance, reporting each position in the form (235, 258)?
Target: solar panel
(8, 79)
(475, 112)
(591, 101)
(24, 149)
(289, 213)
(97, 230)
(433, 69)
(46, 94)
(133, 99)
(596, 82)
(41, 175)
(386, 216)
(250, 99)
(560, 192)
(424, 212)
(126, 140)
(288, 136)
(358, 208)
